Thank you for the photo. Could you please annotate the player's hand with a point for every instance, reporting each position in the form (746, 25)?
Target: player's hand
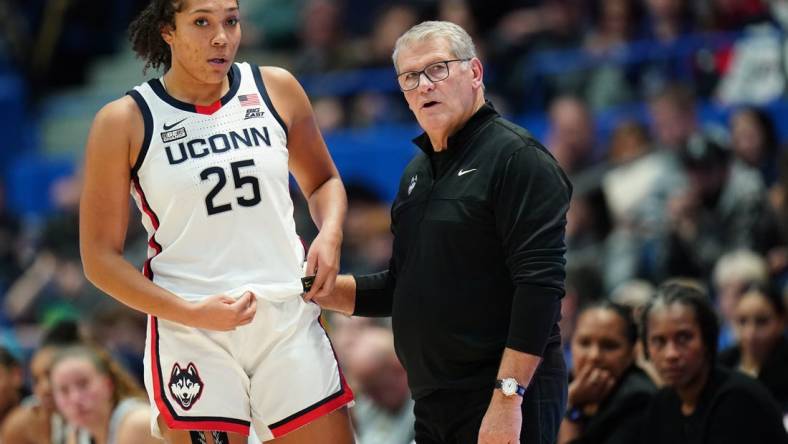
(591, 385)
(223, 313)
(503, 421)
(322, 261)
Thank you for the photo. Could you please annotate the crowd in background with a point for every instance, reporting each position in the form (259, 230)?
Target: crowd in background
(664, 195)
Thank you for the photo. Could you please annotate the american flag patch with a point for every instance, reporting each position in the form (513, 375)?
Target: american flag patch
(249, 100)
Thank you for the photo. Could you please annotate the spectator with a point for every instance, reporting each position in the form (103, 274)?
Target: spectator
(701, 402)
(572, 138)
(636, 294)
(719, 210)
(608, 393)
(583, 287)
(762, 351)
(615, 24)
(367, 239)
(322, 42)
(10, 383)
(667, 20)
(94, 393)
(54, 287)
(37, 421)
(384, 408)
(733, 273)
(755, 142)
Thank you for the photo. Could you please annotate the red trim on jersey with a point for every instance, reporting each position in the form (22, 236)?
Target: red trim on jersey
(209, 109)
(318, 411)
(164, 409)
(146, 270)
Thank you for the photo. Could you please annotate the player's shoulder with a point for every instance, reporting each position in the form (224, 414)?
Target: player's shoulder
(278, 79)
(121, 111)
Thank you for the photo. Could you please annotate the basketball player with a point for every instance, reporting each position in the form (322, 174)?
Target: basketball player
(205, 151)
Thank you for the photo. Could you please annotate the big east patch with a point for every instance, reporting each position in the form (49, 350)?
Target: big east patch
(185, 385)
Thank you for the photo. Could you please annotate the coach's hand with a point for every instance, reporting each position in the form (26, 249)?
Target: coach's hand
(503, 421)
(222, 312)
(322, 261)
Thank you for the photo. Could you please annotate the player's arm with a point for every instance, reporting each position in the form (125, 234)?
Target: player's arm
(316, 174)
(103, 220)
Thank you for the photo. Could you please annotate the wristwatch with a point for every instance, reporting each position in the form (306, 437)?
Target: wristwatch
(575, 414)
(510, 387)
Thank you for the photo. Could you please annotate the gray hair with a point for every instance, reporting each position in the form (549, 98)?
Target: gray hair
(740, 266)
(460, 42)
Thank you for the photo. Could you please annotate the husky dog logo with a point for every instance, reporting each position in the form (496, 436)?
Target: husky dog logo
(185, 385)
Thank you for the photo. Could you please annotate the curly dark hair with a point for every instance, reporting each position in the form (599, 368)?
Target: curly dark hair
(145, 32)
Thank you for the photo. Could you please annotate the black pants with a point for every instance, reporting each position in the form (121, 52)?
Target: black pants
(454, 416)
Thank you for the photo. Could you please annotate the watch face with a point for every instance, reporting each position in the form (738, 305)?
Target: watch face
(509, 386)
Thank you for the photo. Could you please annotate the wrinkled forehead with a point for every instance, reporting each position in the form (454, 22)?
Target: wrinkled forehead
(417, 54)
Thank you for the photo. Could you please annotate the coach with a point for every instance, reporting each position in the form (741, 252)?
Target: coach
(477, 272)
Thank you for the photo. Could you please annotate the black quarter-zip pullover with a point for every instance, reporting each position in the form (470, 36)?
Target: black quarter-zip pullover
(478, 255)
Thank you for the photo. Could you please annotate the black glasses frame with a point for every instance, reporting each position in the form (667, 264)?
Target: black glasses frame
(424, 71)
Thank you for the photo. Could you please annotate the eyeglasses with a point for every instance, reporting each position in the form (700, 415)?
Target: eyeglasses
(435, 72)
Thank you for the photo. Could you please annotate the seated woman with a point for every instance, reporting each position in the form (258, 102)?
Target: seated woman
(609, 393)
(95, 394)
(36, 420)
(701, 402)
(762, 351)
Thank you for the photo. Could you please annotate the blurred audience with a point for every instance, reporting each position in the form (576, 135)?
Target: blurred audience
(572, 137)
(54, 287)
(720, 209)
(384, 408)
(11, 383)
(37, 420)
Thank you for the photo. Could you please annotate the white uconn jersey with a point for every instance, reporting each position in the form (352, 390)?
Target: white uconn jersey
(212, 184)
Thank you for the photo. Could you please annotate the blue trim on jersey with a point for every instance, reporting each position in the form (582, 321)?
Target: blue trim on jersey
(258, 79)
(234, 76)
(147, 119)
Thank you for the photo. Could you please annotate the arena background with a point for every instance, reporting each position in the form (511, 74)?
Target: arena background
(607, 85)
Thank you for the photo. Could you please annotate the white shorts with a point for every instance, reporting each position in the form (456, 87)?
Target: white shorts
(277, 373)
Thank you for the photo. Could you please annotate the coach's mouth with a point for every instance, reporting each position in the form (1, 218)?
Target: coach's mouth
(430, 104)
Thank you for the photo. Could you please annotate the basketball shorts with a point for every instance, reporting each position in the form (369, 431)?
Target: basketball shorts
(277, 373)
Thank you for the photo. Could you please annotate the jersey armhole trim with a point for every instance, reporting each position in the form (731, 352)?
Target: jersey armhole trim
(147, 119)
(258, 79)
